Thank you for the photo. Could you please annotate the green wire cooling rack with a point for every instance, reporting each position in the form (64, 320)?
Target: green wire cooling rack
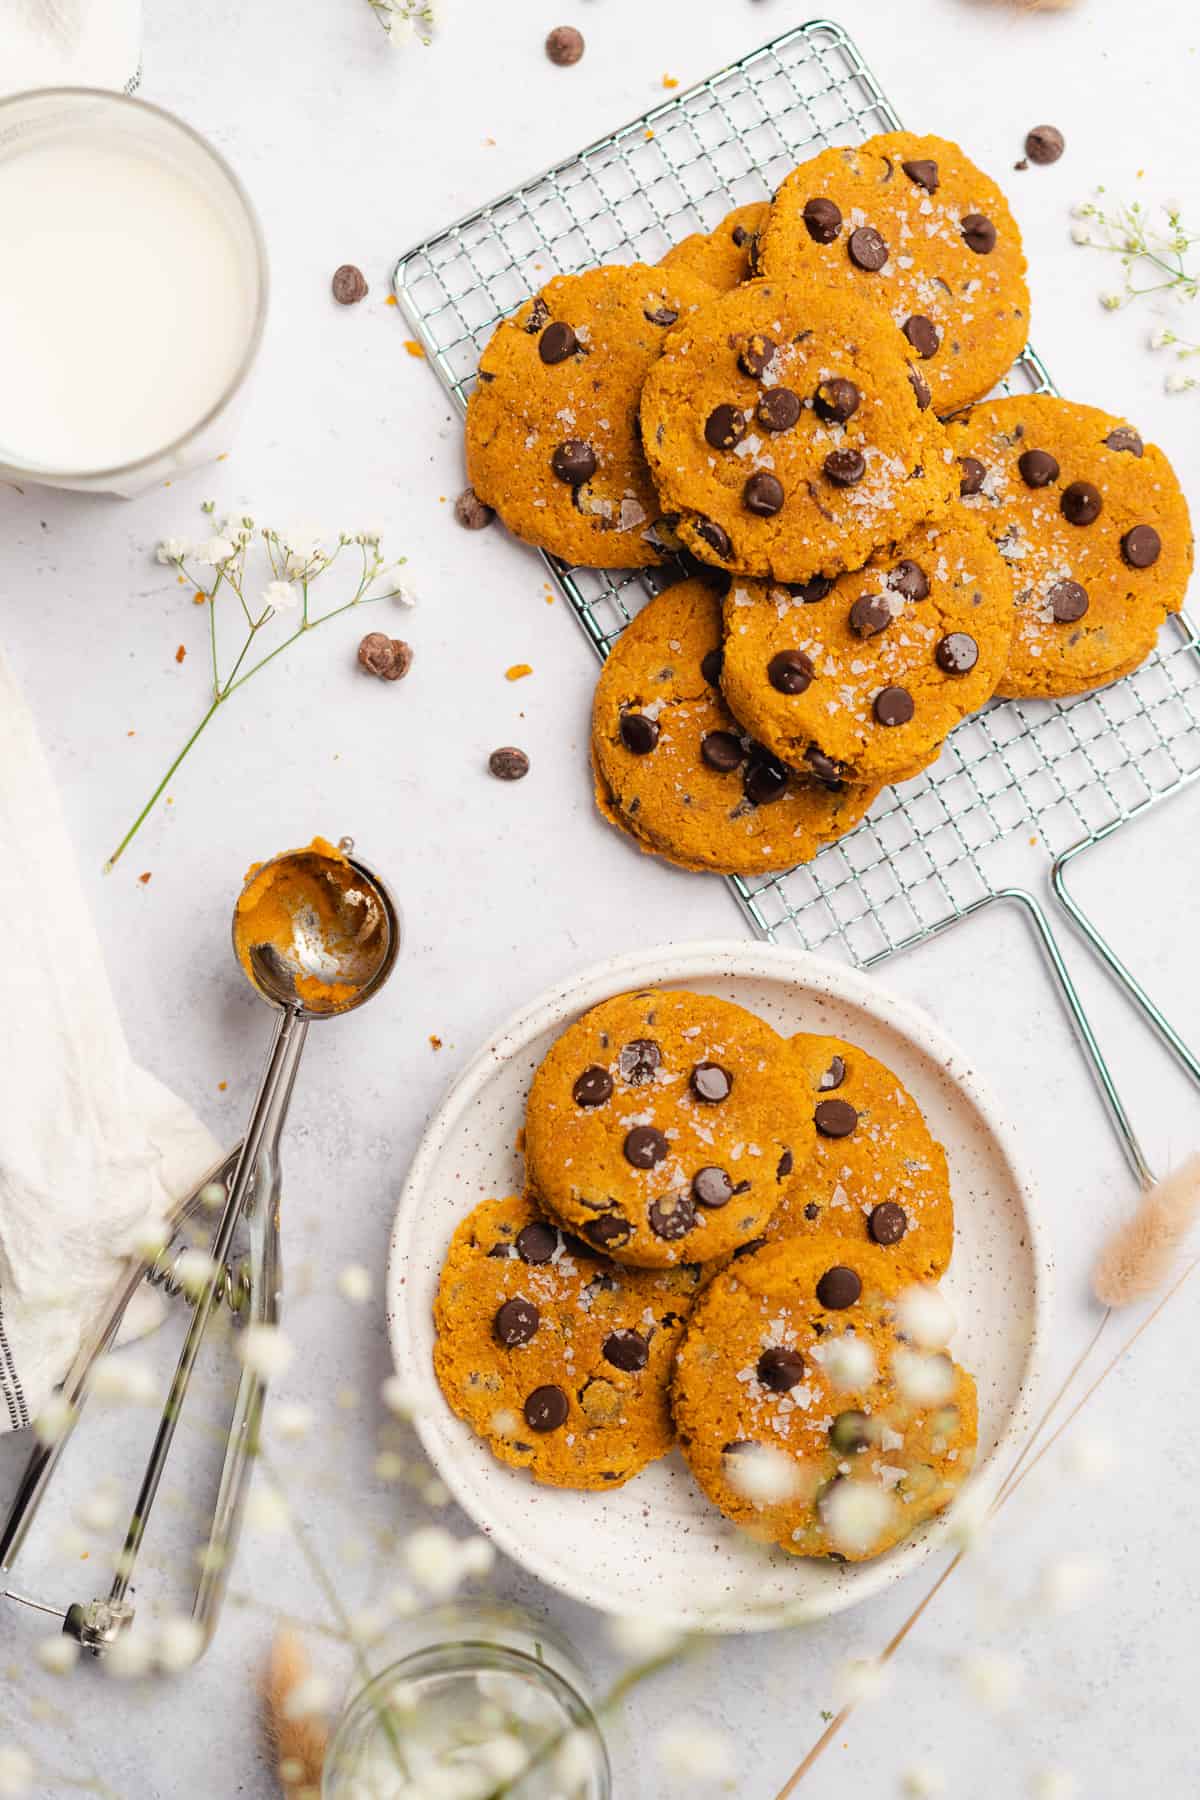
(1021, 777)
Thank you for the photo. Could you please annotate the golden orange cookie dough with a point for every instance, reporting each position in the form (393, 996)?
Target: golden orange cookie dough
(320, 885)
(724, 256)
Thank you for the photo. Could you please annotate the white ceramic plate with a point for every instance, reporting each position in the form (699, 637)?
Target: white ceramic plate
(656, 1544)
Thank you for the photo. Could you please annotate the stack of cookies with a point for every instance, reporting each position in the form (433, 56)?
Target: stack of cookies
(731, 1240)
(764, 411)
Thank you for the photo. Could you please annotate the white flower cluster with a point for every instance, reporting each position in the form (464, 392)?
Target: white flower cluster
(1152, 246)
(404, 20)
(439, 1563)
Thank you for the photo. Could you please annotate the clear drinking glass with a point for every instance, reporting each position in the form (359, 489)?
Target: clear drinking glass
(484, 1699)
(133, 292)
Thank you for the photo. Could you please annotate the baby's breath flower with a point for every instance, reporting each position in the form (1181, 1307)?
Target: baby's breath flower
(265, 1350)
(922, 1781)
(924, 1380)
(266, 1509)
(435, 1493)
(993, 1679)
(856, 1514)
(399, 1397)
(180, 1642)
(121, 1380)
(438, 1562)
(924, 1316)
(643, 1638)
(280, 597)
(859, 1680)
(1178, 383)
(313, 1694)
(130, 1655)
(16, 1772)
(1112, 302)
(389, 1466)
(763, 1474)
(573, 1760)
(1091, 1458)
(291, 1419)
(693, 1751)
(354, 1283)
(1161, 336)
(1081, 234)
(54, 1420)
(967, 1520)
(213, 552)
(1069, 1583)
(404, 595)
(57, 1655)
(1053, 1784)
(173, 550)
(99, 1511)
(194, 1269)
(848, 1361)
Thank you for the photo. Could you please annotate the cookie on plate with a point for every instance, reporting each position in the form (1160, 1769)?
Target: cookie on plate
(1095, 530)
(675, 770)
(782, 429)
(861, 680)
(878, 1175)
(803, 1414)
(723, 257)
(662, 1125)
(555, 1356)
(552, 423)
(911, 224)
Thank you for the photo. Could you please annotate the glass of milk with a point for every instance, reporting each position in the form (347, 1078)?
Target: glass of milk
(133, 292)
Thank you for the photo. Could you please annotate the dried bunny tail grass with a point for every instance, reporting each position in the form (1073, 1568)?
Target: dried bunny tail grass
(1138, 1257)
(298, 1743)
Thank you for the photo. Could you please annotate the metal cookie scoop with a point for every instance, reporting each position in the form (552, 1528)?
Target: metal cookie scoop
(316, 934)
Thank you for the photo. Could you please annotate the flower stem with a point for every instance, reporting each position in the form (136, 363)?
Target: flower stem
(156, 795)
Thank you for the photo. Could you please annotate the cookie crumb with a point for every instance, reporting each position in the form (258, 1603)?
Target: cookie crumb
(413, 348)
(349, 285)
(221, 1086)
(669, 81)
(143, 879)
(508, 763)
(518, 671)
(181, 653)
(471, 512)
(564, 46)
(435, 1041)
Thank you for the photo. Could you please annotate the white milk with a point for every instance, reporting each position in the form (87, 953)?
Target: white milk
(126, 302)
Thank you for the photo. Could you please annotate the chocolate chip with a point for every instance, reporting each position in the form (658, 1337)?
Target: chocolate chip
(870, 615)
(824, 769)
(1081, 503)
(1038, 468)
(909, 578)
(867, 249)
(546, 1409)
(834, 1118)
(780, 1368)
(711, 1187)
(923, 172)
(956, 653)
(471, 512)
(834, 1075)
(1068, 601)
(838, 1288)
(765, 779)
(812, 590)
(836, 400)
(609, 1230)
(557, 342)
(887, 1223)
(763, 494)
(979, 234)
(639, 1060)
(714, 535)
(662, 315)
(1044, 144)
(722, 751)
(790, 672)
(627, 1350)
(638, 733)
(812, 1210)
(593, 1087)
(784, 1166)
(1124, 437)
(739, 234)
(711, 1083)
(755, 355)
(564, 46)
(845, 467)
(973, 473)
(508, 763)
(710, 666)
(574, 462)
(645, 1147)
(920, 387)
(779, 409)
(894, 706)
(850, 1432)
(349, 285)
(1141, 546)
(536, 1242)
(725, 427)
(671, 1217)
(922, 334)
(823, 219)
(749, 1248)
(516, 1322)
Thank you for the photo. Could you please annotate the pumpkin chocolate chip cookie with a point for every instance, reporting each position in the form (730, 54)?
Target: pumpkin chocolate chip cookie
(1093, 526)
(784, 435)
(556, 1357)
(802, 1412)
(863, 682)
(910, 223)
(675, 770)
(723, 257)
(552, 423)
(662, 1125)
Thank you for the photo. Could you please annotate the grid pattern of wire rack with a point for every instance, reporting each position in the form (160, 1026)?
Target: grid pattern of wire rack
(1058, 774)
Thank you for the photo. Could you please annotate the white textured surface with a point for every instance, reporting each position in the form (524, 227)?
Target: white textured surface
(352, 154)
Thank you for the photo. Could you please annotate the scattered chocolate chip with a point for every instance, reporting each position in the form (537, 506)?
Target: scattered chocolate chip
(1124, 437)
(639, 1061)
(349, 285)
(845, 467)
(887, 1223)
(609, 1230)
(645, 1147)
(711, 1083)
(710, 666)
(867, 249)
(536, 1242)
(1038, 468)
(763, 494)
(823, 219)
(812, 590)
(725, 427)
(765, 779)
(834, 1075)
(711, 1187)
(924, 172)
(755, 355)
(662, 315)
(836, 400)
(920, 388)
(922, 334)
(1141, 546)
(784, 1166)
(508, 763)
(627, 1350)
(722, 751)
(714, 535)
(574, 462)
(739, 234)
(1081, 503)
(671, 1217)
(1044, 144)
(516, 1322)
(546, 1409)
(779, 409)
(850, 1432)
(564, 45)
(790, 672)
(979, 234)
(909, 578)
(835, 1118)
(557, 342)
(593, 1087)
(973, 474)
(824, 769)
(780, 1368)
(1068, 601)
(838, 1288)
(956, 653)
(894, 706)
(638, 733)
(812, 1211)
(870, 615)
(389, 658)
(471, 512)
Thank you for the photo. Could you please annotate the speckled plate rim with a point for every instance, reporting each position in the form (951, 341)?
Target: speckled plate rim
(718, 960)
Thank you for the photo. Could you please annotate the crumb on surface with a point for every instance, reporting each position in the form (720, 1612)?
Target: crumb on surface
(198, 598)
(669, 81)
(143, 879)
(435, 1040)
(390, 301)
(517, 671)
(181, 653)
(413, 348)
(221, 1086)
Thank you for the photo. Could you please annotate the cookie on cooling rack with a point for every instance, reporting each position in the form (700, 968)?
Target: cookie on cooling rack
(1094, 527)
(662, 1126)
(552, 423)
(724, 257)
(781, 427)
(861, 679)
(909, 223)
(803, 1414)
(555, 1356)
(675, 770)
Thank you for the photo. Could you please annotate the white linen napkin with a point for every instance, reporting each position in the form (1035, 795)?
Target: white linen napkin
(91, 1146)
(70, 43)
